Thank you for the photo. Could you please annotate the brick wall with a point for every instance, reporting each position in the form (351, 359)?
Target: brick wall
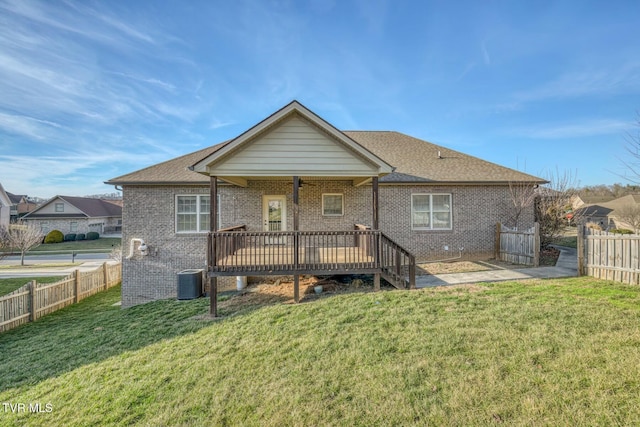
(149, 213)
(476, 210)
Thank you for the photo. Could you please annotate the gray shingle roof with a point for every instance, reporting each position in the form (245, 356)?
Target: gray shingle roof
(415, 160)
(421, 161)
(174, 171)
(91, 208)
(15, 198)
(94, 207)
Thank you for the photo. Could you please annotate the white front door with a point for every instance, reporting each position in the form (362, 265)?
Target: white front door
(274, 213)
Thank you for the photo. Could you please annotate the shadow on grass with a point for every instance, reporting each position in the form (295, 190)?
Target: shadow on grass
(97, 328)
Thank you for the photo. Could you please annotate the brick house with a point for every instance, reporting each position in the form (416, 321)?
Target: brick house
(294, 195)
(77, 215)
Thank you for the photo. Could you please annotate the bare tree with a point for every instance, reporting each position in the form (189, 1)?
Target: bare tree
(116, 253)
(629, 214)
(552, 204)
(5, 247)
(631, 162)
(24, 237)
(522, 196)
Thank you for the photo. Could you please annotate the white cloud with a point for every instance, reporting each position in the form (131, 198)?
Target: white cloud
(28, 126)
(604, 81)
(485, 54)
(582, 129)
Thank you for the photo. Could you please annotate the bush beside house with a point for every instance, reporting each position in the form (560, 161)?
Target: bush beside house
(54, 236)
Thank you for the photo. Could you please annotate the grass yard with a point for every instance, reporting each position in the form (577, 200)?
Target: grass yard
(561, 352)
(568, 237)
(10, 285)
(568, 241)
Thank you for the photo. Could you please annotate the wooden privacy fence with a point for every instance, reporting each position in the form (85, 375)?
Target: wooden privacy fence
(518, 247)
(34, 300)
(609, 256)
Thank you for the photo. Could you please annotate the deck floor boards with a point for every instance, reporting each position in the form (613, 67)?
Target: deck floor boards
(278, 255)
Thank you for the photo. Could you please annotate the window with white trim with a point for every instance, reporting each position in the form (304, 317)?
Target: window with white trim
(73, 226)
(431, 211)
(333, 204)
(59, 207)
(193, 213)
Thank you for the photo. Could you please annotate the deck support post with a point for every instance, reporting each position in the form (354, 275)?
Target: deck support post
(375, 226)
(296, 241)
(213, 226)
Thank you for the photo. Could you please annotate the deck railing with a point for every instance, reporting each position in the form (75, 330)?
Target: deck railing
(398, 265)
(237, 252)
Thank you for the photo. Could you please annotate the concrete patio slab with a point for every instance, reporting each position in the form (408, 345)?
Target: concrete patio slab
(566, 266)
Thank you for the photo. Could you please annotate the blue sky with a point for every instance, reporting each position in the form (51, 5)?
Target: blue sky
(90, 90)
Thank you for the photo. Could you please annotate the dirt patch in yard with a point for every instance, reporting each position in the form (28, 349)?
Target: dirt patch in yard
(454, 267)
(548, 257)
(281, 291)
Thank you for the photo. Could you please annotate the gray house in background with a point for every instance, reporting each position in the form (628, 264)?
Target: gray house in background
(604, 213)
(77, 215)
(293, 191)
(5, 208)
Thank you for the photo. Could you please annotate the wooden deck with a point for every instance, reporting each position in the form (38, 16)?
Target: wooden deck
(280, 260)
(237, 252)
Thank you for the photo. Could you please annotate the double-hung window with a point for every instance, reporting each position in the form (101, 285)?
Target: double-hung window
(332, 204)
(192, 214)
(431, 212)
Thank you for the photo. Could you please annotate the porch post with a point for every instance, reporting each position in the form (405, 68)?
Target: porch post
(375, 226)
(213, 226)
(296, 242)
(375, 202)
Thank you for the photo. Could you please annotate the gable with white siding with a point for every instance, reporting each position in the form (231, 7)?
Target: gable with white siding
(293, 141)
(295, 147)
(59, 207)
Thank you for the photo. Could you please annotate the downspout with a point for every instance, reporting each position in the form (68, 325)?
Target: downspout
(142, 247)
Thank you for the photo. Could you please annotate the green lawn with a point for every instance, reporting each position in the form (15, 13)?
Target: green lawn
(561, 352)
(568, 237)
(10, 285)
(103, 244)
(569, 241)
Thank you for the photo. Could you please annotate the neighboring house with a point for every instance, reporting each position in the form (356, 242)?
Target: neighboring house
(580, 201)
(5, 208)
(77, 215)
(290, 191)
(20, 206)
(604, 213)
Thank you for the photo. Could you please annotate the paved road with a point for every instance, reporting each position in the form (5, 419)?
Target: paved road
(48, 258)
(89, 262)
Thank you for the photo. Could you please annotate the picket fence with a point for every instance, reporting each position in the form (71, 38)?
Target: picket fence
(518, 247)
(34, 300)
(609, 256)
